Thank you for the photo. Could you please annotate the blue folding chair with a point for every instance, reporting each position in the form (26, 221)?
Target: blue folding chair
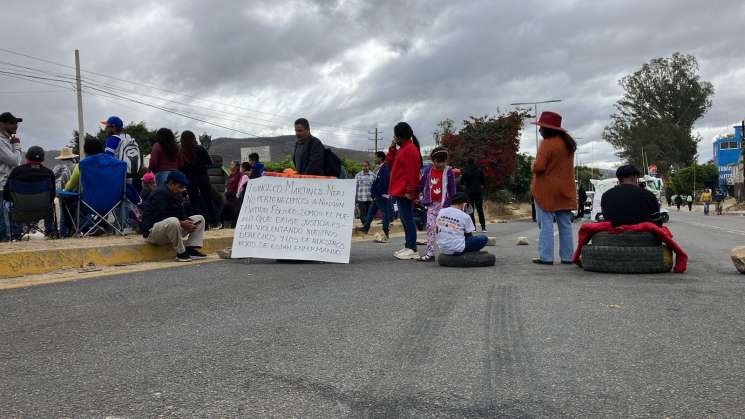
(101, 193)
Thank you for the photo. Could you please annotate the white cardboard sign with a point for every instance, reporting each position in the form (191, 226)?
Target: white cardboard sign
(300, 219)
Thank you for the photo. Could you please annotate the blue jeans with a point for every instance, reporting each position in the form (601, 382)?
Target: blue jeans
(406, 214)
(386, 209)
(545, 220)
(706, 208)
(475, 243)
(160, 177)
(3, 219)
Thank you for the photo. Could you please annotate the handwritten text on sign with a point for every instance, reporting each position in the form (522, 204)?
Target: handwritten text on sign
(301, 219)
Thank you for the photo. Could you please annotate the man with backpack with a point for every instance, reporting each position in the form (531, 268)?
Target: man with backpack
(311, 157)
(122, 146)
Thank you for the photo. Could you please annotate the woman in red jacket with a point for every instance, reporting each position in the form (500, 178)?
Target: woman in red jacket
(405, 161)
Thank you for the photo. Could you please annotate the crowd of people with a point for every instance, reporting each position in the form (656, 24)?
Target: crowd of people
(174, 185)
(171, 201)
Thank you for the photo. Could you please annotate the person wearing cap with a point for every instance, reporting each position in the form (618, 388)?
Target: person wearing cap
(455, 229)
(164, 220)
(148, 185)
(553, 189)
(10, 157)
(33, 171)
(113, 127)
(627, 203)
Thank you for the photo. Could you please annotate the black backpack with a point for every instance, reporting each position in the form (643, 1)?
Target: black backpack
(332, 165)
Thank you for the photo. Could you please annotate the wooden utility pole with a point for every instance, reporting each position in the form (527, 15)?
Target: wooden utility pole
(376, 136)
(79, 91)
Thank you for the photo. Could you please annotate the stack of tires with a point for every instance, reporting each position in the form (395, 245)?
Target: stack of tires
(217, 183)
(626, 253)
(216, 174)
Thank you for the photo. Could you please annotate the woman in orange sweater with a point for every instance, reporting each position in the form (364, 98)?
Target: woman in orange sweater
(553, 189)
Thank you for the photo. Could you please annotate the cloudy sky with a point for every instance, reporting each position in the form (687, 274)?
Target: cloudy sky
(252, 66)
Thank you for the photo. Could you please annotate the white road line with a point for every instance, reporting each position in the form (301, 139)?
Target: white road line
(726, 230)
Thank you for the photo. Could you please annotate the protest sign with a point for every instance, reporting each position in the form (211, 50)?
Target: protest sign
(299, 219)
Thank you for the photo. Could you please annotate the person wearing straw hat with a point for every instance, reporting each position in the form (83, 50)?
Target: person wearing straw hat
(62, 172)
(553, 189)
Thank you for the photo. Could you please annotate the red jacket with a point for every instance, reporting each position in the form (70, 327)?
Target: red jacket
(406, 165)
(587, 230)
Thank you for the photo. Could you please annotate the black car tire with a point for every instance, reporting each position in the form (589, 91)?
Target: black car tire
(467, 260)
(216, 160)
(627, 260)
(215, 171)
(217, 180)
(626, 239)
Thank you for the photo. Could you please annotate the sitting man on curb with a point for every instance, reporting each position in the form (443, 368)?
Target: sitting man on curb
(455, 229)
(627, 203)
(164, 220)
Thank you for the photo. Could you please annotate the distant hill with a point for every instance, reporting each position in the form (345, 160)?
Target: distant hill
(280, 147)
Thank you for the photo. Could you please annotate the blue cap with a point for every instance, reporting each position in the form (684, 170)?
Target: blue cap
(177, 177)
(114, 121)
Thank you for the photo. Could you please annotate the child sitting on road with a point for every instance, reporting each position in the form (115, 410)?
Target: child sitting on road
(455, 229)
(437, 187)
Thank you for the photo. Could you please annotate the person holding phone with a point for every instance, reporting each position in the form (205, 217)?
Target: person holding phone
(164, 220)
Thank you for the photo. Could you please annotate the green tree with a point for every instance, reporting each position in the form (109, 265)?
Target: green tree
(493, 141)
(445, 128)
(584, 174)
(519, 182)
(279, 166)
(707, 176)
(139, 132)
(75, 141)
(655, 117)
(205, 141)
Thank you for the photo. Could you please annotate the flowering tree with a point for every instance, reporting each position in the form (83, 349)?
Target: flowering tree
(493, 142)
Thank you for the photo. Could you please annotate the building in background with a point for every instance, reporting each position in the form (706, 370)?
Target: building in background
(727, 152)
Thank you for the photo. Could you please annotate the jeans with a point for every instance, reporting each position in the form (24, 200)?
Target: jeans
(477, 201)
(160, 177)
(706, 208)
(474, 244)
(545, 220)
(386, 210)
(406, 214)
(3, 219)
(364, 207)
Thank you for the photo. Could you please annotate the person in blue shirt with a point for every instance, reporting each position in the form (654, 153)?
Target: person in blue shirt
(113, 127)
(257, 167)
(381, 199)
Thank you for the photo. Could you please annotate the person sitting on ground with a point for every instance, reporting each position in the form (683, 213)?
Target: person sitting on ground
(34, 171)
(148, 185)
(455, 229)
(257, 167)
(627, 203)
(164, 220)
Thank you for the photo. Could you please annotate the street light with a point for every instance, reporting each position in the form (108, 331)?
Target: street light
(535, 108)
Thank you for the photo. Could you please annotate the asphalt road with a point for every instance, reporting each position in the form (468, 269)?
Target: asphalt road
(386, 338)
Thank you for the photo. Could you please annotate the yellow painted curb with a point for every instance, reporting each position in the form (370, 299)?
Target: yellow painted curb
(49, 260)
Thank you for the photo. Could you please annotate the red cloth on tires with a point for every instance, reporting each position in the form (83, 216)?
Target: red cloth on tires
(587, 230)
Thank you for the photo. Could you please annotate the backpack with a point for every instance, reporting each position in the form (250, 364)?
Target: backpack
(129, 152)
(332, 165)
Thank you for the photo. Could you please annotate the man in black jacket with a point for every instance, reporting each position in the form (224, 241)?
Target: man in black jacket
(309, 151)
(473, 179)
(627, 203)
(164, 220)
(34, 171)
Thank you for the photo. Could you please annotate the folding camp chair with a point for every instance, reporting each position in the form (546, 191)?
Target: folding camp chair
(32, 201)
(100, 200)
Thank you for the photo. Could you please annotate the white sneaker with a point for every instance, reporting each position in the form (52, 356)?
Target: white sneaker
(483, 230)
(408, 254)
(400, 251)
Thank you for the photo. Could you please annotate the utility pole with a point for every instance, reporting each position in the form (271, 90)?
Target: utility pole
(376, 136)
(535, 108)
(79, 90)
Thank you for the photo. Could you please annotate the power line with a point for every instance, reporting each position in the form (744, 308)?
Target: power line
(167, 90)
(99, 84)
